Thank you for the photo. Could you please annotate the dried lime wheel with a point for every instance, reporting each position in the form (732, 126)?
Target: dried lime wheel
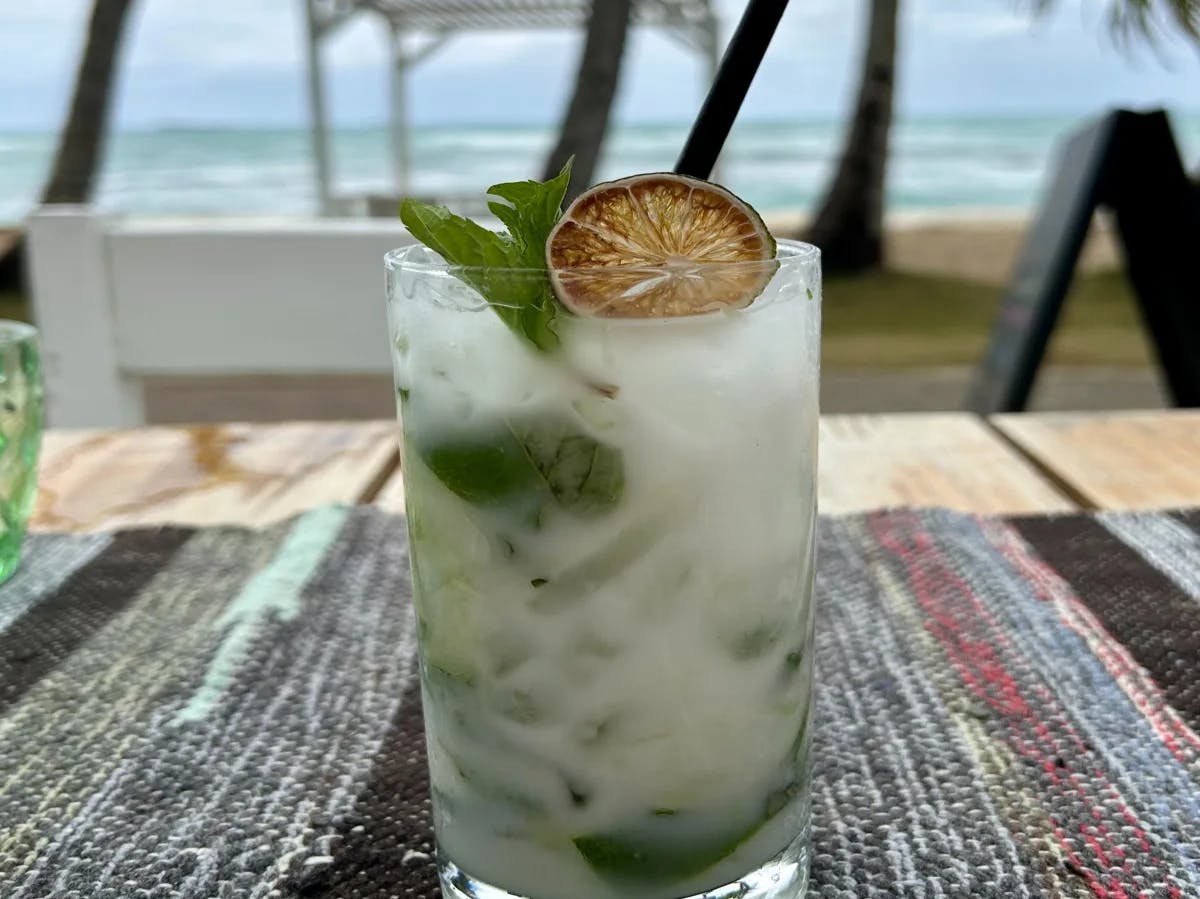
(658, 246)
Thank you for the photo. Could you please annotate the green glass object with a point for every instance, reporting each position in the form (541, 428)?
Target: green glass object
(20, 436)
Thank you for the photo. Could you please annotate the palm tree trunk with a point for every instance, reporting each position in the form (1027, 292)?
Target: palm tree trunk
(582, 132)
(849, 226)
(81, 142)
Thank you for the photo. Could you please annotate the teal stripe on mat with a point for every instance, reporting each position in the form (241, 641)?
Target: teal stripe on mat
(272, 592)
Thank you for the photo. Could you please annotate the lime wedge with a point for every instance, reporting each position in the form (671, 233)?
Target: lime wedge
(658, 246)
(632, 861)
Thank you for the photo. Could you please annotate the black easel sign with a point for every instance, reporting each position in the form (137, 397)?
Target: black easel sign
(1129, 163)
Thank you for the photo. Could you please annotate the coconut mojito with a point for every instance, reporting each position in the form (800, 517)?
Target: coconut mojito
(609, 456)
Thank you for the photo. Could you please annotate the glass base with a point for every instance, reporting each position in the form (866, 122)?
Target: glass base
(10, 556)
(784, 876)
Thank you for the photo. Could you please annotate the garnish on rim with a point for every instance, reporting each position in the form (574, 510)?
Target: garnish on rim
(658, 246)
(506, 269)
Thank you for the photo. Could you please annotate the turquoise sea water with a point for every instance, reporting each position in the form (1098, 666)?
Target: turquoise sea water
(964, 164)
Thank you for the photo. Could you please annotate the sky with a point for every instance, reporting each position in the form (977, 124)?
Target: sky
(240, 62)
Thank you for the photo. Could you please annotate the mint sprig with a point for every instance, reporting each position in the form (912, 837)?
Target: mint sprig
(536, 462)
(508, 270)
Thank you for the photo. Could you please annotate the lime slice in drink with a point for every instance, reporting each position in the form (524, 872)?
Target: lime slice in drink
(632, 862)
(658, 246)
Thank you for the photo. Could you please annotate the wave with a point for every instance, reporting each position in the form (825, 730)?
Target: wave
(177, 168)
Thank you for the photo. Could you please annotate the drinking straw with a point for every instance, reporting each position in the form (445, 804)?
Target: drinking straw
(734, 76)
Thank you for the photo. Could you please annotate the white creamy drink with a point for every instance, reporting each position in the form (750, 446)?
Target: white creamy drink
(612, 569)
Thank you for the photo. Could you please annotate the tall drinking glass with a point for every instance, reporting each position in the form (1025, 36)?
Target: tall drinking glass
(20, 436)
(612, 556)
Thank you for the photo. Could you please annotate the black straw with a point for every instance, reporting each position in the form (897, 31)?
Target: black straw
(736, 72)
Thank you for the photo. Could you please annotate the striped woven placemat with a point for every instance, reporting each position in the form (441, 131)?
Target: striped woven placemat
(1006, 708)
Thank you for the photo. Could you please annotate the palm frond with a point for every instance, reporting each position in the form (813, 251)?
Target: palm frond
(1148, 20)
(1131, 19)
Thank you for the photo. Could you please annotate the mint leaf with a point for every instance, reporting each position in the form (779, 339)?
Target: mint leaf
(584, 476)
(523, 299)
(534, 320)
(458, 240)
(487, 468)
(527, 464)
(530, 212)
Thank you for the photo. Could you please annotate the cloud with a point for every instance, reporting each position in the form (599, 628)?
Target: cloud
(973, 24)
(243, 61)
(43, 13)
(216, 35)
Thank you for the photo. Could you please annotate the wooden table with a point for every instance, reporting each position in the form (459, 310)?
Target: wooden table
(255, 474)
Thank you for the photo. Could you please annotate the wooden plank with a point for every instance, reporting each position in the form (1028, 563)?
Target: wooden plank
(240, 473)
(1115, 460)
(940, 459)
(875, 461)
(391, 494)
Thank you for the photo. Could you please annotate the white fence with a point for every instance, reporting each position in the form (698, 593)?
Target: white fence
(119, 300)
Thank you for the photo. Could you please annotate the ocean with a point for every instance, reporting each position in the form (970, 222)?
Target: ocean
(970, 165)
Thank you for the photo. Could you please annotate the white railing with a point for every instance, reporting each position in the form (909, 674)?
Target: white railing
(118, 300)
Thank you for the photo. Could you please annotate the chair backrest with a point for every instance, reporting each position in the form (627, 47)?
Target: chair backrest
(119, 300)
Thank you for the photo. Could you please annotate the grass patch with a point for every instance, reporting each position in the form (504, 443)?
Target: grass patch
(14, 306)
(898, 319)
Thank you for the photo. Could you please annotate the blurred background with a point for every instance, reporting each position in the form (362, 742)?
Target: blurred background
(909, 138)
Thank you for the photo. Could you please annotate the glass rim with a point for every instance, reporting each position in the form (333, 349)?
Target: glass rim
(13, 331)
(798, 253)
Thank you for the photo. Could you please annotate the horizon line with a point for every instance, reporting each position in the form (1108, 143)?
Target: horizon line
(963, 115)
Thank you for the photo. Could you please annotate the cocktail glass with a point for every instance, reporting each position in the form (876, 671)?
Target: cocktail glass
(612, 557)
(20, 436)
